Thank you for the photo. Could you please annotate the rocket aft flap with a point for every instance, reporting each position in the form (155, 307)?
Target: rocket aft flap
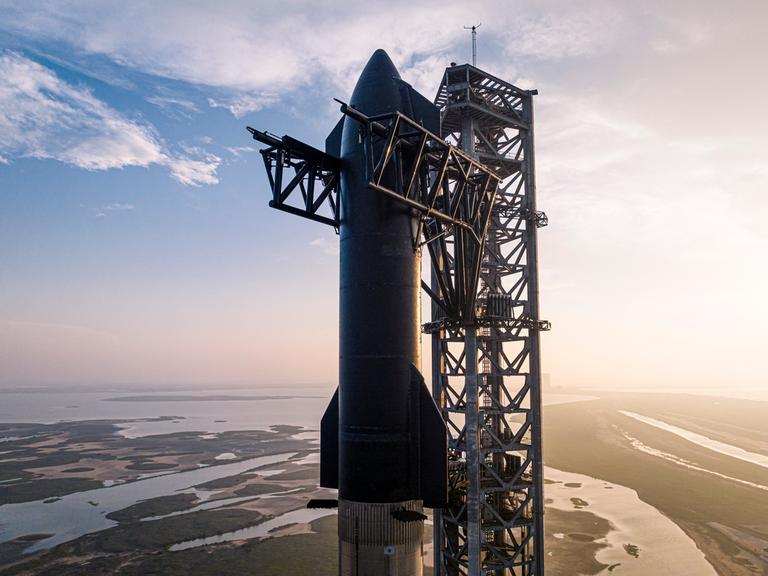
(422, 474)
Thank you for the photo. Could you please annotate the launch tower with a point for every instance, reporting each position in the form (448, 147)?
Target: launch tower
(486, 375)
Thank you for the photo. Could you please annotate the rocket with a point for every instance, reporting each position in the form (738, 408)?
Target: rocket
(383, 440)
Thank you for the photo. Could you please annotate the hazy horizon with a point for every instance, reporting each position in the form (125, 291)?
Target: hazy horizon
(136, 245)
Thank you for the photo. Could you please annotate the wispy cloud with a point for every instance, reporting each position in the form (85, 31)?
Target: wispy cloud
(238, 151)
(574, 31)
(327, 246)
(247, 64)
(118, 206)
(195, 172)
(102, 211)
(680, 35)
(42, 116)
(244, 104)
(174, 107)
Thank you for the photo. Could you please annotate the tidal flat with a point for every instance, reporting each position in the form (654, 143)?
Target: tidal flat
(728, 520)
(114, 528)
(169, 503)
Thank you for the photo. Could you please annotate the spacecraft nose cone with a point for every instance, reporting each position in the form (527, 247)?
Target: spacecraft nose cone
(380, 63)
(376, 91)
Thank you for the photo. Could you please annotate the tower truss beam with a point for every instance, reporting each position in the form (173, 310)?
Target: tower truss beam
(453, 193)
(315, 176)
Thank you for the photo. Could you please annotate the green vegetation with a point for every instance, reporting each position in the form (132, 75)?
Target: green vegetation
(150, 466)
(153, 507)
(579, 503)
(24, 477)
(259, 489)
(45, 488)
(306, 473)
(72, 449)
(225, 482)
(124, 552)
(299, 555)
(632, 550)
(159, 534)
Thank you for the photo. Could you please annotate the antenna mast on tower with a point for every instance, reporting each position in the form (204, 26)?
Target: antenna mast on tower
(474, 41)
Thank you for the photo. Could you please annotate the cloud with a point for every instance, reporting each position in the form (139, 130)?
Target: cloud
(239, 106)
(249, 52)
(117, 206)
(329, 247)
(195, 172)
(174, 106)
(680, 36)
(44, 117)
(238, 151)
(571, 32)
(102, 211)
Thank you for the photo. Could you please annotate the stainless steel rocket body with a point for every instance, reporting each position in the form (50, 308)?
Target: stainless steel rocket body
(378, 312)
(379, 341)
(383, 442)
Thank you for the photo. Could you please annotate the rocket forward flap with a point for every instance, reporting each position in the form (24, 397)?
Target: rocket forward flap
(418, 108)
(329, 444)
(433, 446)
(333, 140)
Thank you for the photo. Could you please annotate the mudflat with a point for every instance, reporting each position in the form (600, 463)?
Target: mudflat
(717, 500)
(696, 487)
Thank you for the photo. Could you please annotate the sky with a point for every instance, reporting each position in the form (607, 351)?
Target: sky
(137, 247)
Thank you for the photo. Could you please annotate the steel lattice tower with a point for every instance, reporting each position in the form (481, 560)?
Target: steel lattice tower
(486, 374)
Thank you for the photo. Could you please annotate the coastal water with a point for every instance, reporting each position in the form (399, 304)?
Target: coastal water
(85, 512)
(207, 412)
(248, 409)
(631, 547)
(642, 447)
(703, 441)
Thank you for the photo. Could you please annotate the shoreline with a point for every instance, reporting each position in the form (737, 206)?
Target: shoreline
(594, 439)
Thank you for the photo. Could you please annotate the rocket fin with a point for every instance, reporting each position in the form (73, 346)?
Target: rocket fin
(333, 140)
(433, 446)
(329, 444)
